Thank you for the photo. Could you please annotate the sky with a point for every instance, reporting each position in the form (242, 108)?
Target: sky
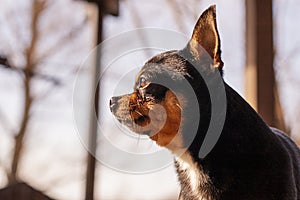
(54, 157)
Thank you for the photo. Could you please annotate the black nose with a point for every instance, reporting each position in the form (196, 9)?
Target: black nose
(113, 103)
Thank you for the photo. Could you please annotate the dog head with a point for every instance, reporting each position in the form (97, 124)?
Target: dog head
(160, 105)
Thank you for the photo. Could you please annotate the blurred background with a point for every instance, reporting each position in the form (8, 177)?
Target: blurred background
(43, 44)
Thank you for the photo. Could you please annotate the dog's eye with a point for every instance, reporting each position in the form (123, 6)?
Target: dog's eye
(142, 81)
(148, 98)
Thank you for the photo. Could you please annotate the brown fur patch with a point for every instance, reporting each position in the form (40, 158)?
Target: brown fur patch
(169, 136)
(138, 111)
(161, 120)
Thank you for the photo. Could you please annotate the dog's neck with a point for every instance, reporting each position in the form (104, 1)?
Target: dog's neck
(242, 124)
(206, 177)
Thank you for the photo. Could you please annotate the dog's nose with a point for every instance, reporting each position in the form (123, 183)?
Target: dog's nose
(113, 102)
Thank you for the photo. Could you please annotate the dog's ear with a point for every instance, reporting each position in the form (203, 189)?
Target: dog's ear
(206, 37)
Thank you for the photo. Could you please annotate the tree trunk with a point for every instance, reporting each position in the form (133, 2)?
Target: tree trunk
(19, 138)
(37, 8)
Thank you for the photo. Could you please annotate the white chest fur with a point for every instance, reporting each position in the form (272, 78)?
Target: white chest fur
(192, 179)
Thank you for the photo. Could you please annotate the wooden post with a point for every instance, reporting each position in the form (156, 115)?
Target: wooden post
(92, 145)
(260, 79)
(104, 7)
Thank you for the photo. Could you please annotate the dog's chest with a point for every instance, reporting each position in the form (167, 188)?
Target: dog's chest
(193, 181)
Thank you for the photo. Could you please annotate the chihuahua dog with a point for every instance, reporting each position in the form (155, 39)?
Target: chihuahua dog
(249, 161)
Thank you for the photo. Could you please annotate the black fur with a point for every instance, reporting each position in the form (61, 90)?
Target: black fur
(250, 160)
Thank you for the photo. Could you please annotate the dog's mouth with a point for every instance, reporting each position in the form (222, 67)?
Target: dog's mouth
(132, 111)
(142, 120)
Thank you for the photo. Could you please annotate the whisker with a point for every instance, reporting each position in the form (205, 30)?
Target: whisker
(131, 115)
(178, 106)
(139, 113)
(139, 139)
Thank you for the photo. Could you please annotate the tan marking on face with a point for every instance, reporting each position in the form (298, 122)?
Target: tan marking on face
(138, 110)
(161, 121)
(169, 136)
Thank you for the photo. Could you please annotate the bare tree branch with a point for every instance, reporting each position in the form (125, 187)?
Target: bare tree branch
(4, 61)
(6, 64)
(37, 8)
(73, 33)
